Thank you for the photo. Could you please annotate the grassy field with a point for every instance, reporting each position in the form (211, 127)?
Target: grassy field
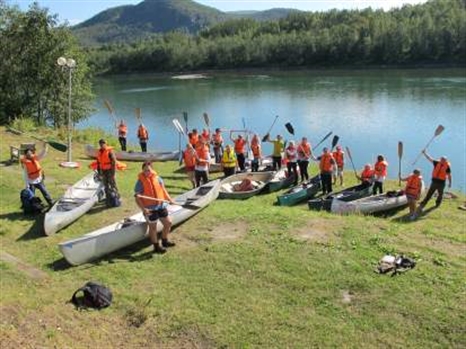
(243, 275)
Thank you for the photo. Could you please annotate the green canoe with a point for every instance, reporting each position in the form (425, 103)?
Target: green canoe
(300, 192)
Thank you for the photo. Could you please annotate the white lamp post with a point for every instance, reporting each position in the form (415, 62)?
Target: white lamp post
(68, 64)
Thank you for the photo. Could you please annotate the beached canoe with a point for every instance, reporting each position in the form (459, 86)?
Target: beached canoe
(133, 229)
(77, 200)
(300, 192)
(347, 194)
(137, 156)
(280, 181)
(371, 204)
(259, 179)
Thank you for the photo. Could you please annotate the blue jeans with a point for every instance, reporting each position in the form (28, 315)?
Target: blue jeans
(43, 190)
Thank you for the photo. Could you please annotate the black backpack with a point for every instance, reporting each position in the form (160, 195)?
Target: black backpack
(29, 203)
(94, 295)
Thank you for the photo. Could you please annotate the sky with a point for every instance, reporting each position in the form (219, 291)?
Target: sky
(75, 11)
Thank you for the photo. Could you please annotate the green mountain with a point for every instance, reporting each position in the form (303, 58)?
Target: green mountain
(135, 22)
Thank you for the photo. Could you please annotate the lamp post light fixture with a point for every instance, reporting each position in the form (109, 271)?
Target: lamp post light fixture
(68, 64)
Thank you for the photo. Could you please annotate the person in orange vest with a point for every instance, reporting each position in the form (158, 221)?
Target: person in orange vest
(380, 173)
(291, 155)
(34, 173)
(256, 153)
(193, 137)
(440, 174)
(339, 156)
(413, 191)
(189, 158)
(240, 149)
(367, 176)
(217, 142)
(201, 169)
(326, 170)
(143, 136)
(205, 136)
(106, 168)
(153, 199)
(304, 150)
(122, 132)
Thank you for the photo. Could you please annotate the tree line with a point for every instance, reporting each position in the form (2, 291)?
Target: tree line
(431, 33)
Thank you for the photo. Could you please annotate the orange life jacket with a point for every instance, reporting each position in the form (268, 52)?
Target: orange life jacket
(189, 158)
(326, 163)
(206, 136)
(120, 166)
(202, 156)
(366, 175)
(152, 188)
(103, 158)
(304, 150)
(32, 166)
(414, 185)
(122, 130)
(217, 139)
(239, 145)
(256, 150)
(380, 168)
(142, 132)
(194, 139)
(293, 156)
(440, 171)
(339, 157)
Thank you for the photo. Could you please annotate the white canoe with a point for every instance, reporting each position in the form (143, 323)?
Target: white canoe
(259, 179)
(137, 156)
(76, 201)
(371, 204)
(133, 229)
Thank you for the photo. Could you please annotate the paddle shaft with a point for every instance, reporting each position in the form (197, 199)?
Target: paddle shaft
(438, 131)
(56, 145)
(111, 110)
(270, 129)
(400, 155)
(351, 160)
(168, 202)
(323, 139)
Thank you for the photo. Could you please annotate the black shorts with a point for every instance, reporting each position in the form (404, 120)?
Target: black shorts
(154, 215)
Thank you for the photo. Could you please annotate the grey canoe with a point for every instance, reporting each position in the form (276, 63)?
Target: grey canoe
(260, 181)
(348, 194)
(371, 204)
(137, 156)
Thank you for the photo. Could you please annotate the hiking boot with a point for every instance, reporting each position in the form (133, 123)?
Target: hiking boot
(166, 243)
(159, 249)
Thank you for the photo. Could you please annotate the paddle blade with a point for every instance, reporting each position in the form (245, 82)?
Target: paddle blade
(335, 141)
(58, 146)
(206, 119)
(185, 117)
(137, 112)
(439, 130)
(265, 138)
(289, 128)
(323, 139)
(400, 149)
(178, 126)
(109, 106)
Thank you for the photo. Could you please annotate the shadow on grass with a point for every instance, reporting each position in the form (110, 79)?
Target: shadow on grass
(36, 231)
(405, 218)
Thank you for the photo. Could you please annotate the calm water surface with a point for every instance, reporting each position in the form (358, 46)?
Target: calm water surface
(370, 110)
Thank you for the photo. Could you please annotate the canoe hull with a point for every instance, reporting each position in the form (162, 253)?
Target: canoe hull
(370, 204)
(348, 194)
(137, 156)
(133, 229)
(300, 193)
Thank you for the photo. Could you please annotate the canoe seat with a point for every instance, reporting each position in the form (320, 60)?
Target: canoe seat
(228, 187)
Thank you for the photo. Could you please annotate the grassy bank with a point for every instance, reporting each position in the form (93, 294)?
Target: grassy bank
(243, 275)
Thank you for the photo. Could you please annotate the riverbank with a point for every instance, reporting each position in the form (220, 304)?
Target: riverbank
(243, 274)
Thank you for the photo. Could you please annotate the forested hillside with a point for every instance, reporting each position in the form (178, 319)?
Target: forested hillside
(430, 33)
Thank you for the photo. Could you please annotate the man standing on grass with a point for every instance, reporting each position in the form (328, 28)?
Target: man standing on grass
(106, 167)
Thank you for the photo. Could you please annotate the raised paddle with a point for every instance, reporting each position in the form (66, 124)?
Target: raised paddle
(437, 132)
(185, 117)
(289, 128)
(137, 112)
(111, 111)
(351, 159)
(184, 205)
(56, 145)
(270, 129)
(335, 141)
(206, 120)
(400, 155)
(323, 139)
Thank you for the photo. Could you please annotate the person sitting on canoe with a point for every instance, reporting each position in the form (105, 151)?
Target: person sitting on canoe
(291, 155)
(106, 168)
(304, 150)
(240, 149)
(152, 198)
(228, 161)
(380, 173)
(245, 185)
(413, 191)
(339, 156)
(367, 176)
(256, 153)
(143, 136)
(34, 173)
(122, 132)
(440, 174)
(278, 147)
(189, 158)
(326, 170)
(217, 142)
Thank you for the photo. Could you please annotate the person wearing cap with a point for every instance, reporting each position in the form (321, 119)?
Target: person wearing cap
(339, 156)
(228, 161)
(326, 164)
(143, 136)
(240, 149)
(217, 142)
(291, 155)
(367, 176)
(122, 133)
(106, 168)
(34, 173)
(278, 147)
(413, 191)
(440, 174)
(153, 199)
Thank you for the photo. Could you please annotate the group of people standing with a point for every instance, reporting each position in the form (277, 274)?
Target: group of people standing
(142, 133)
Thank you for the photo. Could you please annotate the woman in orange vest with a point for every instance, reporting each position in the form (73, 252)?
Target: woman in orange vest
(240, 149)
(367, 176)
(106, 166)
(122, 132)
(143, 136)
(153, 199)
(440, 174)
(326, 170)
(339, 157)
(413, 191)
(217, 142)
(380, 173)
(189, 158)
(256, 153)
(201, 169)
(304, 155)
(34, 173)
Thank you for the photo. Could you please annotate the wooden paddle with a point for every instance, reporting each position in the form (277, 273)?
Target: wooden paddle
(111, 111)
(181, 132)
(400, 155)
(335, 141)
(289, 128)
(437, 132)
(270, 129)
(351, 159)
(323, 139)
(185, 117)
(184, 205)
(137, 112)
(56, 145)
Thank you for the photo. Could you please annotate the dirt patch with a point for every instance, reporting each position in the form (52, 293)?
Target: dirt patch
(318, 230)
(32, 272)
(347, 297)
